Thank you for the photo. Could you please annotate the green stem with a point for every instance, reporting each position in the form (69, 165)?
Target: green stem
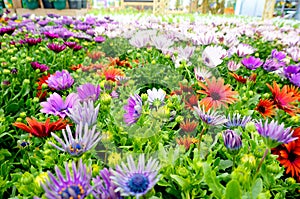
(261, 161)
(200, 139)
(233, 161)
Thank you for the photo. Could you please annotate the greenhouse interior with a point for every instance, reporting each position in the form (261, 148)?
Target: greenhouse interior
(150, 99)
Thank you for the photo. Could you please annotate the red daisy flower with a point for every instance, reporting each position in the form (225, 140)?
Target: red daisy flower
(186, 141)
(112, 73)
(188, 126)
(217, 93)
(238, 78)
(40, 129)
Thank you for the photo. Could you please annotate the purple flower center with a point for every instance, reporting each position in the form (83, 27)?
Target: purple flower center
(138, 183)
(73, 191)
(215, 96)
(76, 148)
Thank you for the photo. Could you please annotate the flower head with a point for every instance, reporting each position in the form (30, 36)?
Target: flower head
(105, 188)
(236, 119)
(233, 66)
(279, 55)
(202, 74)
(186, 141)
(85, 113)
(41, 129)
(136, 180)
(266, 108)
(7, 30)
(75, 184)
(238, 78)
(284, 99)
(60, 80)
(42, 67)
(232, 140)
(210, 117)
(188, 126)
(252, 63)
(88, 92)
(274, 134)
(212, 56)
(273, 65)
(99, 39)
(133, 109)
(243, 50)
(57, 48)
(217, 93)
(55, 105)
(32, 41)
(84, 139)
(156, 97)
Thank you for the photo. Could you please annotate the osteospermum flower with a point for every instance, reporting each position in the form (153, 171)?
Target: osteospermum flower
(202, 74)
(188, 126)
(232, 140)
(85, 112)
(74, 184)
(212, 56)
(217, 93)
(210, 117)
(283, 99)
(41, 129)
(42, 67)
(252, 63)
(112, 73)
(88, 92)
(266, 108)
(55, 105)
(133, 109)
(84, 139)
(60, 80)
(243, 50)
(104, 187)
(274, 134)
(57, 48)
(233, 66)
(236, 119)
(186, 141)
(136, 180)
(238, 78)
(156, 97)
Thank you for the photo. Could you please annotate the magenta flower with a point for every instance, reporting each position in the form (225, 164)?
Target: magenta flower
(88, 92)
(57, 48)
(36, 65)
(55, 105)
(51, 35)
(32, 41)
(7, 30)
(60, 80)
(252, 63)
(99, 39)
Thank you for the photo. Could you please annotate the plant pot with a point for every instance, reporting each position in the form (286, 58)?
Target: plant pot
(83, 4)
(48, 4)
(59, 4)
(75, 4)
(32, 4)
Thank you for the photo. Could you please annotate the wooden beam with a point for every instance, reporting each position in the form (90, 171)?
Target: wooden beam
(268, 9)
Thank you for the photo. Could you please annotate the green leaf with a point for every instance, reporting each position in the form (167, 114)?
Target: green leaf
(257, 188)
(224, 164)
(183, 183)
(12, 108)
(212, 181)
(233, 190)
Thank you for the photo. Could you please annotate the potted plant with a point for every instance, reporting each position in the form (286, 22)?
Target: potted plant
(59, 4)
(75, 4)
(48, 4)
(32, 4)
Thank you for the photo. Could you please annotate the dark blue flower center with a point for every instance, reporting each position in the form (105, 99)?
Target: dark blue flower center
(138, 183)
(76, 148)
(72, 191)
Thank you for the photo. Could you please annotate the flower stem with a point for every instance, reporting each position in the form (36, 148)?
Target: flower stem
(262, 159)
(200, 138)
(233, 162)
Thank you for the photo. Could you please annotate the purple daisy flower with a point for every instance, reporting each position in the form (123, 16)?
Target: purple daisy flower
(211, 117)
(85, 113)
(57, 48)
(32, 41)
(232, 140)
(55, 105)
(279, 55)
(84, 139)
(291, 70)
(75, 184)
(42, 67)
(99, 39)
(70, 44)
(273, 64)
(295, 79)
(77, 48)
(133, 109)
(274, 134)
(136, 180)
(236, 120)
(60, 80)
(7, 30)
(252, 63)
(88, 91)
(104, 187)
(51, 35)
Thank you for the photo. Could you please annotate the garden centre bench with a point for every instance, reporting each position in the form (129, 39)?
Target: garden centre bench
(159, 6)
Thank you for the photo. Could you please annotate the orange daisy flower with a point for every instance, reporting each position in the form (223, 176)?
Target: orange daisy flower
(217, 93)
(40, 129)
(187, 126)
(253, 77)
(295, 90)
(191, 101)
(112, 73)
(284, 98)
(266, 108)
(238, 78)
(186, 141)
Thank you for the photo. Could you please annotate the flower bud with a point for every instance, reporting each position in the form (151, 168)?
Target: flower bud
(250, 127)
(105, 99)
(35, 99)
(26, 81)
(44, 85)
(144, 97)
(182, 171)
(114, 159)
(232, 140)
(23, 114)
(153, 62)
(6, 71)
(179, 119)
(13, 59)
